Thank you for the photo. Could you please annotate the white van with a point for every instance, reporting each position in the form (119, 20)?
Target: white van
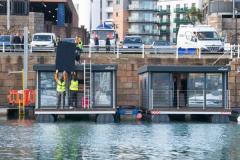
(43, 42)
(200, 36)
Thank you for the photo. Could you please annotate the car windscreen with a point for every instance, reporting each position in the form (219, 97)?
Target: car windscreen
(132, 40)
(207, 36)
(42, 38)
(4, 38)
(161, 43)
(70, 40)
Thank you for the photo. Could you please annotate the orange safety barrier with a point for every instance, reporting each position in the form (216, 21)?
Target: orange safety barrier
(16, 96)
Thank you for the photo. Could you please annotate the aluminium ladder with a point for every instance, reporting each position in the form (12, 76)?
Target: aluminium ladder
(87, 77)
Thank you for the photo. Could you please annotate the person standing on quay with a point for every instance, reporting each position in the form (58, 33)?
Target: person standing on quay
(61, 88)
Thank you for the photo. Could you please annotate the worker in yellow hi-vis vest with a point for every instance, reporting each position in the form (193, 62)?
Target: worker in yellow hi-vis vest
(61, 88)
(73, 88)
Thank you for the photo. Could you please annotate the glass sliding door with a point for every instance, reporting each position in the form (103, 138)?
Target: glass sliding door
(102, 89)
(196, 85)
(47, 90)
(214, 90)
(162, 93)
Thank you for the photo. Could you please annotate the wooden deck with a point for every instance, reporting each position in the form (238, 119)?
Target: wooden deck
(75, 111)
(185, 110)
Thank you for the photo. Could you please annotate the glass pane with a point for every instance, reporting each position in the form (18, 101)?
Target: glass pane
(195, 89)
(162, 93)
(214, 90)
(102, 89)
(48, 94)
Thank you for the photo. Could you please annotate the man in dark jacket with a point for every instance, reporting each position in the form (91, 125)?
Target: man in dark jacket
(108, 44)
(96, 42)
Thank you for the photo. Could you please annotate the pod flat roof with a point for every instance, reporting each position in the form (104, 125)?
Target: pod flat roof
(183, 68)
(95, 67)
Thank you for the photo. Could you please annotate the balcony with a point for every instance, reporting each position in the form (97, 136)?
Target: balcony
(175, 30)
(142, 20)
(142, 32)
(165, 31)
(142, 8)
(181, 10)
(182, 21)
(174, 40)
(164, 22)
(164, 11)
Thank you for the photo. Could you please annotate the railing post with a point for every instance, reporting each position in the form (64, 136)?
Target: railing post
(199, 53)
(203, 99)
(178, 99)
(90, 52)
(238, 51)
(152, 99)
(229, 99)
(143, 51)
(117, 51)
(3, 47)
(231, 52)
(177, 53)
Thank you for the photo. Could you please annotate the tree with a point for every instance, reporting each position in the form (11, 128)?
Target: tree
(194, 15)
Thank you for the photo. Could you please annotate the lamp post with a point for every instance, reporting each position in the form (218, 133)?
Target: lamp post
(236, 17)
(90, 27)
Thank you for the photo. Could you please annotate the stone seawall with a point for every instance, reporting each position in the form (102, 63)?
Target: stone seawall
(127, 74)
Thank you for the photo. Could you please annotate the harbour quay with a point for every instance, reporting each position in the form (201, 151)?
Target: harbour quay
(161, 87)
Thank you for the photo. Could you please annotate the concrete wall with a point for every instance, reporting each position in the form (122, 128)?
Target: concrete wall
(127, 76)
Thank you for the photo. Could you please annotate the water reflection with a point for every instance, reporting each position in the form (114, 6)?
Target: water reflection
(86, 140)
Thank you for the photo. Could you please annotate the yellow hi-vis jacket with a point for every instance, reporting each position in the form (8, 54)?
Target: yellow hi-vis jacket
(61, 86)
(74, 85)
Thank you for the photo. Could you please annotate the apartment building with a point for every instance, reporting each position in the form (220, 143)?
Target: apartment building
(173, 13)
(94, 12)
(137, 17)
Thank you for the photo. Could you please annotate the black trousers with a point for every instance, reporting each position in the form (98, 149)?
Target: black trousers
(61, 97)
(73, 101)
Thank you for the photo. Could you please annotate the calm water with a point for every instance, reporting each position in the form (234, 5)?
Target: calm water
(87, 140)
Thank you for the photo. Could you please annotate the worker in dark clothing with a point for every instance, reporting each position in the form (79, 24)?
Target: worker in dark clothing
(96, 42)
(61, 88)
(74, 87)
(79, 48)
(17, 42)
(108, 44)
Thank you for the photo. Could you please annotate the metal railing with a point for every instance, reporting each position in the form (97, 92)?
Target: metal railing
(231, 51)
(190, 98)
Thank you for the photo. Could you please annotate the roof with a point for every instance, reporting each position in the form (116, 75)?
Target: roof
(184, 68)
(44, 34)
(104, 26)
(95, 67)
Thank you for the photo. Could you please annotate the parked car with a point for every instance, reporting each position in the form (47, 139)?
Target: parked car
(132, 42)
(43, 42)
(161, 44)
(6, 41)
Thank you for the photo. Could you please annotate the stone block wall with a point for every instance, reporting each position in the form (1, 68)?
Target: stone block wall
(234, 83)
(127, 73)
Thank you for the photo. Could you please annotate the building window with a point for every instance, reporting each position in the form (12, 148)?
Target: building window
(116, 14)
(19, 7)
(110, 4)
(117, 1)
(168, 7)
(178, 6)
(109, 15)
(3, 7)
(185, 5)
(193, 5)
